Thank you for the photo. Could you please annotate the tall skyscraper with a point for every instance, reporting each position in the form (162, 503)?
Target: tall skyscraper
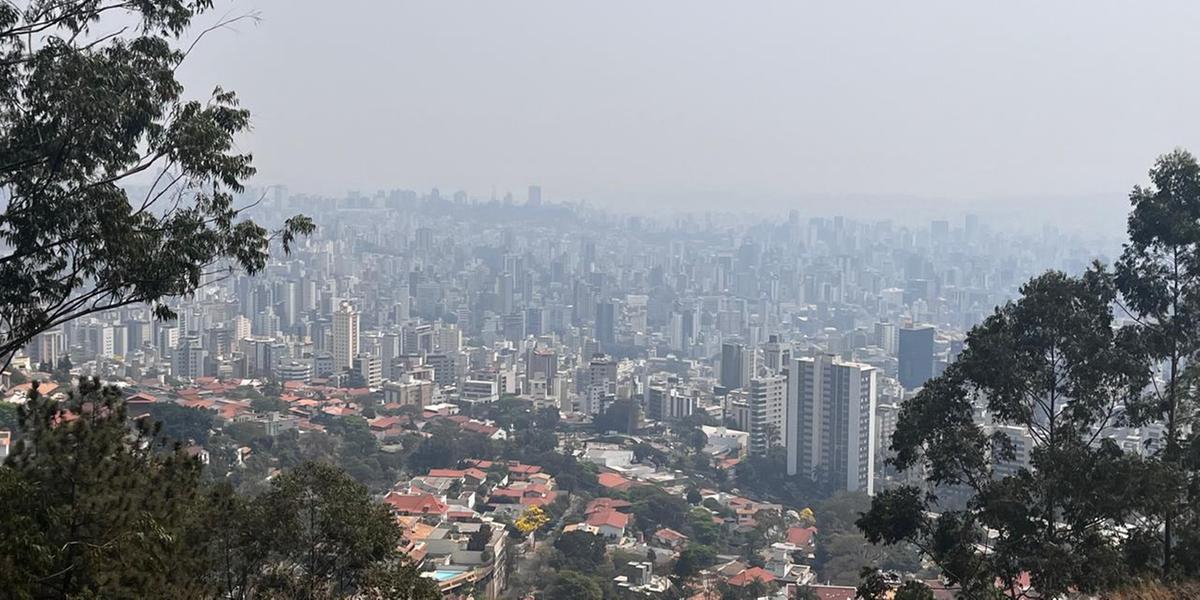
(606, 324)
(535, 196)
(737, 365)
(831, 426)
(916, 356)
(345, 337)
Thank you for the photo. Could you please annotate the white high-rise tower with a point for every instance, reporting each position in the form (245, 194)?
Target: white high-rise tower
(345, 337)
(831, 422)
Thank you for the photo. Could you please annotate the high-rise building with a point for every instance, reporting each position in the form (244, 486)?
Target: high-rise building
(601, 384)
(370, 368)
(737, 365)
(535, 196)
(664, 401)
(830, 432)
(187, 362)
(767, 399)
(345, 337)
(606, 324)
(777, 355)
(541, 363)
(444, 372)
(916, 356)
(886, 337)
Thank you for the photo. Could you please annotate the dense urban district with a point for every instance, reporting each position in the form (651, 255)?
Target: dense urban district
(555, 401)
(214, 391)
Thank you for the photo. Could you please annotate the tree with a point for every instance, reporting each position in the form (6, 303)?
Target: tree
(87, 107)
(533, 519)
(913, 590)
(703, 529)
(1050, 364)
(9, 418)
(94, 509)
(694, 559)
(62, 373)
(267, 404)
(572, 585)
(181, 423)
(479, 540)
(695, 438)
(581, 550)
(324, 527)
(654, 508)
(1158, 275)
(805, 592)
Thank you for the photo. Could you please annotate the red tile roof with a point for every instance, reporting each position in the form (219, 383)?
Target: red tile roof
(801, 536)
(415, 504)
(613, 481)
(606, 504)
(834, 592)
(750, 575)
(670, 535)
(611, 518)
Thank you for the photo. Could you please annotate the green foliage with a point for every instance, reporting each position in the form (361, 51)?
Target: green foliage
(1158, 276)
(79, 120)
(8, 416)
(805, 592)
(580, 551)
(913, 590)
(181, 423)
(655, 508)
(100, 506)
(268, 404)
(694, 559)
(91, 511)
(1051, 364)
(447, 446)
(703, 529)
(572, 585)
(843, 551)
(766, 477)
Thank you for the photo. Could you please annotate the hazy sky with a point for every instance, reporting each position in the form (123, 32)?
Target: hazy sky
(624, 102)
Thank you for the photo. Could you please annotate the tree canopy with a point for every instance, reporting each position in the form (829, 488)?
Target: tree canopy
(92, 103)
(98, 505)
(1016, 439)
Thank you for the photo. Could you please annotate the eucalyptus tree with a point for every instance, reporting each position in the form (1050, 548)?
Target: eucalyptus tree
(1017, 426)
(90, 104)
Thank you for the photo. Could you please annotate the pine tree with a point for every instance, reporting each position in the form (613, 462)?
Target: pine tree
(95, 506)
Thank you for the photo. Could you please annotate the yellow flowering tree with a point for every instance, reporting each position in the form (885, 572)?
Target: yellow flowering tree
(533, 519)
(807, 518)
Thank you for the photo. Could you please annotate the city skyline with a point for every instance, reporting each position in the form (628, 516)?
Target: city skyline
(692, 104)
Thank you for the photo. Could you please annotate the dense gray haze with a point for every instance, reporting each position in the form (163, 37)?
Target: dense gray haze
(920, 108)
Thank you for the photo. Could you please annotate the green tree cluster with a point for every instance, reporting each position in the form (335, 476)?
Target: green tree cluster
(101, 506)
(1085, 515)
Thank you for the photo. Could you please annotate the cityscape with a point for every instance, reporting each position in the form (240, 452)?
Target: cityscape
(664, 301)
